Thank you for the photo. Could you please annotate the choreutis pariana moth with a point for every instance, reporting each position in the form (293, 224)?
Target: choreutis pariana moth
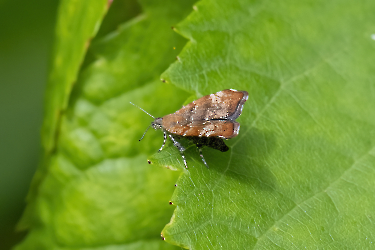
(206, 121)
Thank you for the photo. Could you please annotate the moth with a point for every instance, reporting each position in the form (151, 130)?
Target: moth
(207, 121)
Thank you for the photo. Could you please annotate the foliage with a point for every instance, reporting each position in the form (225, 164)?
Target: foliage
(94, 187)
(300, 174)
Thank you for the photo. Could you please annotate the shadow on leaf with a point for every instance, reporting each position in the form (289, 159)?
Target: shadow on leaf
(246, 159)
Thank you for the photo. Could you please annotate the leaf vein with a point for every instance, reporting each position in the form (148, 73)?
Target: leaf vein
(314, 196)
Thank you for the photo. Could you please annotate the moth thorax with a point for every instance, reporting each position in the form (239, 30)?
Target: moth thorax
(157, 123)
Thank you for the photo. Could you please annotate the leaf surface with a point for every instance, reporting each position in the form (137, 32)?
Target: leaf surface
(94, 188)
(302, 170)
(76, 26)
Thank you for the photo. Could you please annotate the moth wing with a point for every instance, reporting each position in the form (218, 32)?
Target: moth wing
(215, 128)
(200, 117)
(223, 105)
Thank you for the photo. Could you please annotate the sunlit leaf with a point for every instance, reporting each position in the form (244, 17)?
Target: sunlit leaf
(94, 188)
(301, 172)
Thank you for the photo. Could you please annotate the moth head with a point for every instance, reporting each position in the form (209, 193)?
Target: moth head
(157, 123)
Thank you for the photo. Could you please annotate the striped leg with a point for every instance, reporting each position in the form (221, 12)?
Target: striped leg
(180, 148)
(201, 155)
(165, 140)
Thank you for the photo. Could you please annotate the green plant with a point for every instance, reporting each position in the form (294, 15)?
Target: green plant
(300, 174)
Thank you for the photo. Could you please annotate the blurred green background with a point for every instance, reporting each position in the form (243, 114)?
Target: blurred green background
(26, 36)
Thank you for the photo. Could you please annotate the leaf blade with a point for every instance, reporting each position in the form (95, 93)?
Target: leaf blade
(304, 130)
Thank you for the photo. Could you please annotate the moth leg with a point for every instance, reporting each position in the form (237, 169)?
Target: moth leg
(201, 155)
(180, 148)
(165, 140)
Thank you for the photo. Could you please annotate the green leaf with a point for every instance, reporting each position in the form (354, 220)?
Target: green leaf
(75, 27)
(301, 173)
(94, 188)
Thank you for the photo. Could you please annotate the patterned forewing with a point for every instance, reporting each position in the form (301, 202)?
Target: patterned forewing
(210, 115)
(220, 105)
(218, 128)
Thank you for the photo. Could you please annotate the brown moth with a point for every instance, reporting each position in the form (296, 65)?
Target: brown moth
(206, 121)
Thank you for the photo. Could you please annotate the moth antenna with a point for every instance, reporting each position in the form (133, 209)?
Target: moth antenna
(143, 111)
(145, 132)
